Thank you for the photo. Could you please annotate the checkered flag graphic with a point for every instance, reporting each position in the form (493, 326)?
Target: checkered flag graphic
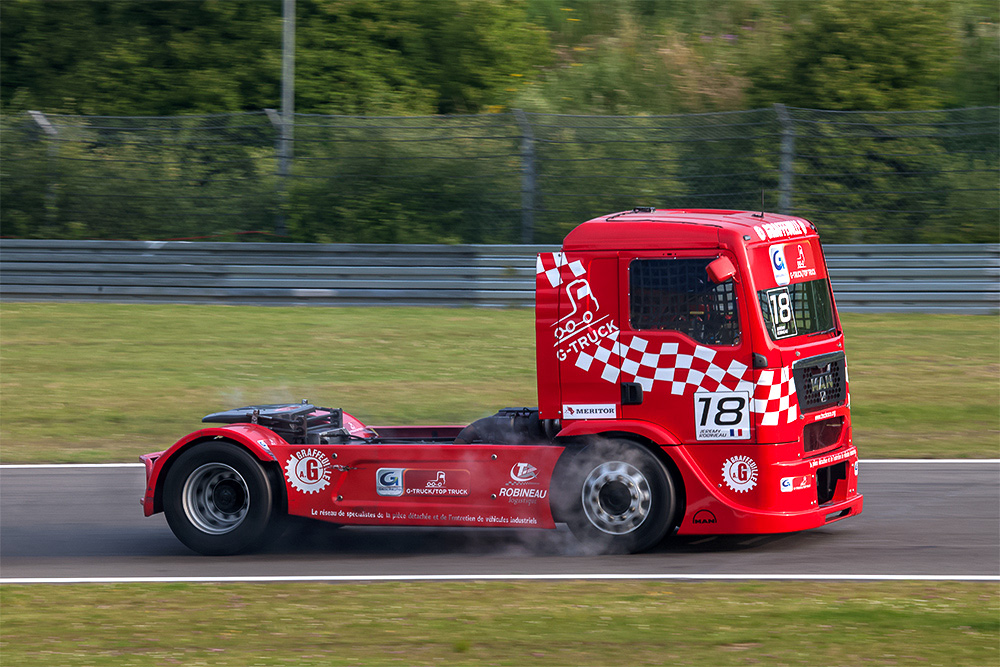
(687, 372)
(775, 396)
(557, 268)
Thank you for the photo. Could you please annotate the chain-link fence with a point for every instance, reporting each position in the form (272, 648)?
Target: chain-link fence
(923, 176)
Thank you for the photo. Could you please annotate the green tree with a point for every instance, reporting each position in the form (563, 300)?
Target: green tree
(414, 56)
(861, 55)
(160, 57)
(118, 57)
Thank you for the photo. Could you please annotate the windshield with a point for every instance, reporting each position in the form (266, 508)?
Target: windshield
(797, 310)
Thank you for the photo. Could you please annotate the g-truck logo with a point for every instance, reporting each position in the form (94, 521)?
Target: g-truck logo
(778, 264)
(389, 481)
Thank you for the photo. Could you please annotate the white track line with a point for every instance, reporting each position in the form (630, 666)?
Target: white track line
(57, 466)
(497, 577)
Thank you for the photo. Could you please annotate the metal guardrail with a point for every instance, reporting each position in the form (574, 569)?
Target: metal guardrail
(950, 278)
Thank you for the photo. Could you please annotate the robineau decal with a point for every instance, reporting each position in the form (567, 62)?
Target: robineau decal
(523, 488)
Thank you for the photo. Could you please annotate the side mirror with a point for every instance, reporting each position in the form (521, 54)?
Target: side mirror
(720, 270)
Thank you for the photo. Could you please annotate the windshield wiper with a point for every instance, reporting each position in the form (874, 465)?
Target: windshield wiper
(820, 333)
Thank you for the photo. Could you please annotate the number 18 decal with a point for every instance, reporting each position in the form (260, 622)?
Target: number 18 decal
(782, 318)
(722, 415)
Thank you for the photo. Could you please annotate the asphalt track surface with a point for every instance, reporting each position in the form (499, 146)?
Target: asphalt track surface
(921, 520)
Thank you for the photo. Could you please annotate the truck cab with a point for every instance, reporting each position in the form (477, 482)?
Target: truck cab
(713, 337)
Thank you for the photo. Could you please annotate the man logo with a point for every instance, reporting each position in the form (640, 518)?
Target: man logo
(703, 517)
(389, 481)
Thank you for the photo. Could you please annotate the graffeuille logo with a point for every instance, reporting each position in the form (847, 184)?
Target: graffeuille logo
(740, 473)
(308, 470)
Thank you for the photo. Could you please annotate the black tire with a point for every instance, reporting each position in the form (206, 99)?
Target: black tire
(616, 497)
(218, 501)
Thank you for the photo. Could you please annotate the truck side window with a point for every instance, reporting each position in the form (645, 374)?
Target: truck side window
(677, 295)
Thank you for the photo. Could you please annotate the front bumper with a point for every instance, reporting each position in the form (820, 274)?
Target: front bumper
(760, 489)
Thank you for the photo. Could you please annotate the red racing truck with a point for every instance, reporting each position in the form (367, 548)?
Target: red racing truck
(691, 379)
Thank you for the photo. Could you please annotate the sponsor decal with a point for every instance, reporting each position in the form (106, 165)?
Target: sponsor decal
(468, 519)
(523, 472)
(740, 473)
(784, 229)
(833, 458)
(308, 470)
(761, 234)
(590, 411)
(263, 444)
(522, 492)
(389, 481)
(722, 415)
(596, 332)
(703, 517)
(436, 482)
(778, 264)
(801, 257)
(583, 325)
(789, 484)
(523, 487)
(825, 415)
(855, 468)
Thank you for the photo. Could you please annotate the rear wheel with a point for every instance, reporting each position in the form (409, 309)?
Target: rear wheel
(616, 497)
(217, 499)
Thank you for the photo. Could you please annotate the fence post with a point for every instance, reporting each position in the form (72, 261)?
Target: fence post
(283, 163)
(528, 177)
(51, 201)
(785, 182)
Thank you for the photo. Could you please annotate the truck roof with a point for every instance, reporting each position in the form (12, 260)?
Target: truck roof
(649, 228)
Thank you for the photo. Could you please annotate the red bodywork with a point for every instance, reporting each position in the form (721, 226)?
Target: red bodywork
(771, 467)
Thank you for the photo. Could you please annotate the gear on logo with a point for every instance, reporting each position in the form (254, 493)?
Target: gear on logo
(740, 473)
(308, 471)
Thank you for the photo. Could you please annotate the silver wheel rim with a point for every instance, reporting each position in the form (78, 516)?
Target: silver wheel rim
(616, 497)
(216, 498)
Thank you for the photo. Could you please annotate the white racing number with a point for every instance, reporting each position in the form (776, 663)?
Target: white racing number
(722, 415)
(782, 316)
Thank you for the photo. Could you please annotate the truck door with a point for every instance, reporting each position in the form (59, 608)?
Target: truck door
(686, 357)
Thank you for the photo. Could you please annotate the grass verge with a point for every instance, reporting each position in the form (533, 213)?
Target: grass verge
(530, 623)
(108, 382)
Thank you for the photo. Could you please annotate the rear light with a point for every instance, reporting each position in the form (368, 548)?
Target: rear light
(822, 434)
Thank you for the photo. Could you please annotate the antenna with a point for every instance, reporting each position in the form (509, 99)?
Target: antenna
(761, 214)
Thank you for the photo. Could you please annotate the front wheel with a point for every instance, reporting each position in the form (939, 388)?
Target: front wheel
(217, 499)
(616, 497)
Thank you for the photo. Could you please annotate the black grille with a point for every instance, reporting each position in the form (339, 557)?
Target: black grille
(820, 382)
